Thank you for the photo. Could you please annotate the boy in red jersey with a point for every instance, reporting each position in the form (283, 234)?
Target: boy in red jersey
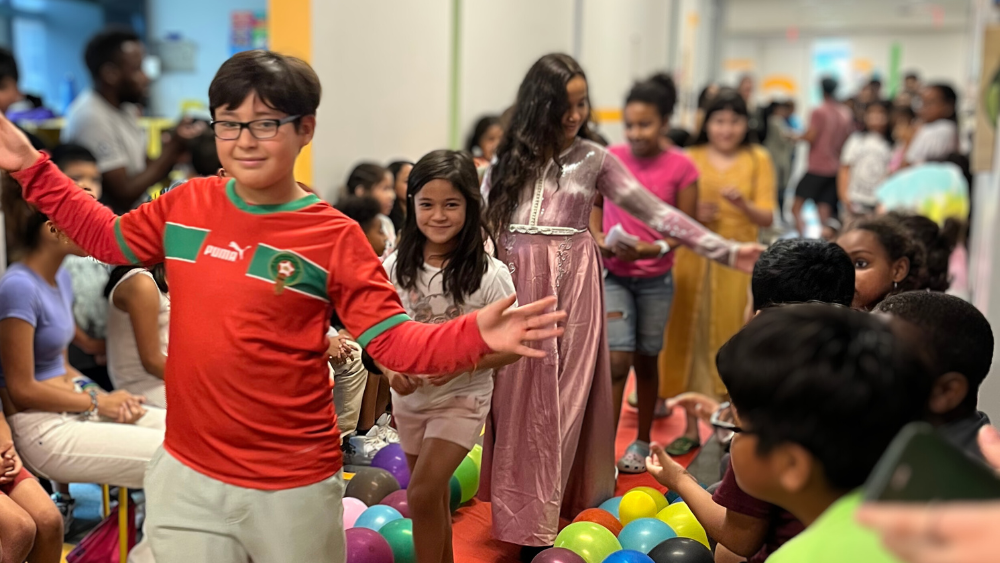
(251, 464)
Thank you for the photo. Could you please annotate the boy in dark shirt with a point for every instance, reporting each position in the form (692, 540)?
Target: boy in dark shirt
(963, 343)
(790, 271)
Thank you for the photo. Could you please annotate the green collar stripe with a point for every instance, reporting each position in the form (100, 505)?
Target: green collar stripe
(300, 273)
(381, 327)
(242, 205)
(123, 245)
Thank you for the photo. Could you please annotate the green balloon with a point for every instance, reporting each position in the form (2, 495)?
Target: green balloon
(468, 477)
(477, 456)
(399, 534)
(455, 498)
(593, 542)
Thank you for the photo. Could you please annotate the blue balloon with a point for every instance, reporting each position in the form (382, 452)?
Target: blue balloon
(611, 505)
(644, 534)
(377, 516)
(628, 556)
(673, 497)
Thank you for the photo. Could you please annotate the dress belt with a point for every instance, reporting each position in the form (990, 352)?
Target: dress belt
(545, 230)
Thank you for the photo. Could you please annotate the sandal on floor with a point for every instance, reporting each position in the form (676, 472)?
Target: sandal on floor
(683, 445)
(634, 460)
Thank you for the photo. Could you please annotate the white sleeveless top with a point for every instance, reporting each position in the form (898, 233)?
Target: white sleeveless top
(124, 364)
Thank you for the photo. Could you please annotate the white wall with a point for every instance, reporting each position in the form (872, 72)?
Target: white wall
(208, 25)
(500, 42)
(623, 41)
(384, 67)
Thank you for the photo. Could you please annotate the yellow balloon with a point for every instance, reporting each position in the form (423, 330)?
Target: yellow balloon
(636, 505)
(657, 496)
(679, 517)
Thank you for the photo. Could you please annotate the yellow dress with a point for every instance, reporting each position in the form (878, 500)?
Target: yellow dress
(710, 299)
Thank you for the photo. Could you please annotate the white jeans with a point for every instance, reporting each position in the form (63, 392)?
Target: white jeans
(349, 390)
(69, 448)
(192, 518)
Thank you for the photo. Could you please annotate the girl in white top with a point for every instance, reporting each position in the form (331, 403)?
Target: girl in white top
(441, 271)
(864, 162)
(938, 136)
(138, 325)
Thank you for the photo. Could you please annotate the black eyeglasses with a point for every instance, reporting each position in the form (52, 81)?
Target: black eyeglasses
(261, 129)
(724, 429)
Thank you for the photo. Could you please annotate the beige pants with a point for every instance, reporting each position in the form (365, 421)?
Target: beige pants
(192, 518)
(70, 448)
(348, 391)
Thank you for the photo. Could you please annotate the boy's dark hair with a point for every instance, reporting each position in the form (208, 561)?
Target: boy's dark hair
(839, 383)
(801, 270)
(105, 47)
(204, 155)
(364, 175)
(8, 66)
(283, 83)
(364, 210)
(67, 153)
(911, 75)
(829, 86)
(659, 91)
(959, 334)
(681, 138)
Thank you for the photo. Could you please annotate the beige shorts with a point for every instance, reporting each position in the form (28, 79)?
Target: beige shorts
(459, 420)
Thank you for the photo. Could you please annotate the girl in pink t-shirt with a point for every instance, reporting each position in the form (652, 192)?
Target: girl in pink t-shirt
(638, 287)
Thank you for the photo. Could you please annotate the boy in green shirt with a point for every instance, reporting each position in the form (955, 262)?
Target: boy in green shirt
(819, 392)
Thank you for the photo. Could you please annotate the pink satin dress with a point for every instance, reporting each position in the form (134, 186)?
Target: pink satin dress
(549, 443)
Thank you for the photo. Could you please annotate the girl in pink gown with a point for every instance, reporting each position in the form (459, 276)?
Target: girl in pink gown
(549, 444)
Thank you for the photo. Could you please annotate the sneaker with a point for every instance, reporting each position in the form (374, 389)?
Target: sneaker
(383, 431)
(65, 504)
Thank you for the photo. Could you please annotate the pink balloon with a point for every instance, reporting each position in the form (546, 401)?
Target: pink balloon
(367, 546)
(557, 555)
(352, 509)
(398, 501)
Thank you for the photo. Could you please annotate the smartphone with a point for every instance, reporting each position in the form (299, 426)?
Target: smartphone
(921, 466)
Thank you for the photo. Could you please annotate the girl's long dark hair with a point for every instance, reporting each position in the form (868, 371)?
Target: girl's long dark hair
(730, 99)
(464, 266)
(23, 221)
(534, 135)
(159, 272)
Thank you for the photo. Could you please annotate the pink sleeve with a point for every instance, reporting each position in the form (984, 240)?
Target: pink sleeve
(689, 173)
(90, 224)
(412, 347)
(616, 183)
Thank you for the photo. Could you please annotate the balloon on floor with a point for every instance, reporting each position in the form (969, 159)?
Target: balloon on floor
(371, 484)
(681, 550)
(601, 517)
(644, 534)
(593, 542)
(557, 555)
(367, 546)
(392, 459)
(399, 535)
(679, 517)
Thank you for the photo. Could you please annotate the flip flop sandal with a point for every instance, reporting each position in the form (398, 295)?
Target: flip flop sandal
(683, 445)
(634, 460)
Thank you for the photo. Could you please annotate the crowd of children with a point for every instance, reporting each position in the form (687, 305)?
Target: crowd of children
(499, 295)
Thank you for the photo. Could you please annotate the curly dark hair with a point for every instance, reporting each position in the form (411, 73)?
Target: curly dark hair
(898, 243)
(938, 245)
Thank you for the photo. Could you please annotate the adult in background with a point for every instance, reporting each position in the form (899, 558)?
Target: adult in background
(829, 126)
(104, 119)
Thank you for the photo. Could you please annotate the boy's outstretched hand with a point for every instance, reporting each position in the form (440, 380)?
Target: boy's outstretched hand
(16, 152)
(506, 329)
(663, 468)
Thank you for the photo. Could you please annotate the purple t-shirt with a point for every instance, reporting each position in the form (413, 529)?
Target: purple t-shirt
(664, 175)
(781, 525)
(25, 295)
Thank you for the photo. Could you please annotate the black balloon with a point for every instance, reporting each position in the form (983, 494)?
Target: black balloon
(371, 485)
(681, 550)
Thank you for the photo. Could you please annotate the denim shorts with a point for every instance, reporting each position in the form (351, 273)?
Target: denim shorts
(637, 312)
